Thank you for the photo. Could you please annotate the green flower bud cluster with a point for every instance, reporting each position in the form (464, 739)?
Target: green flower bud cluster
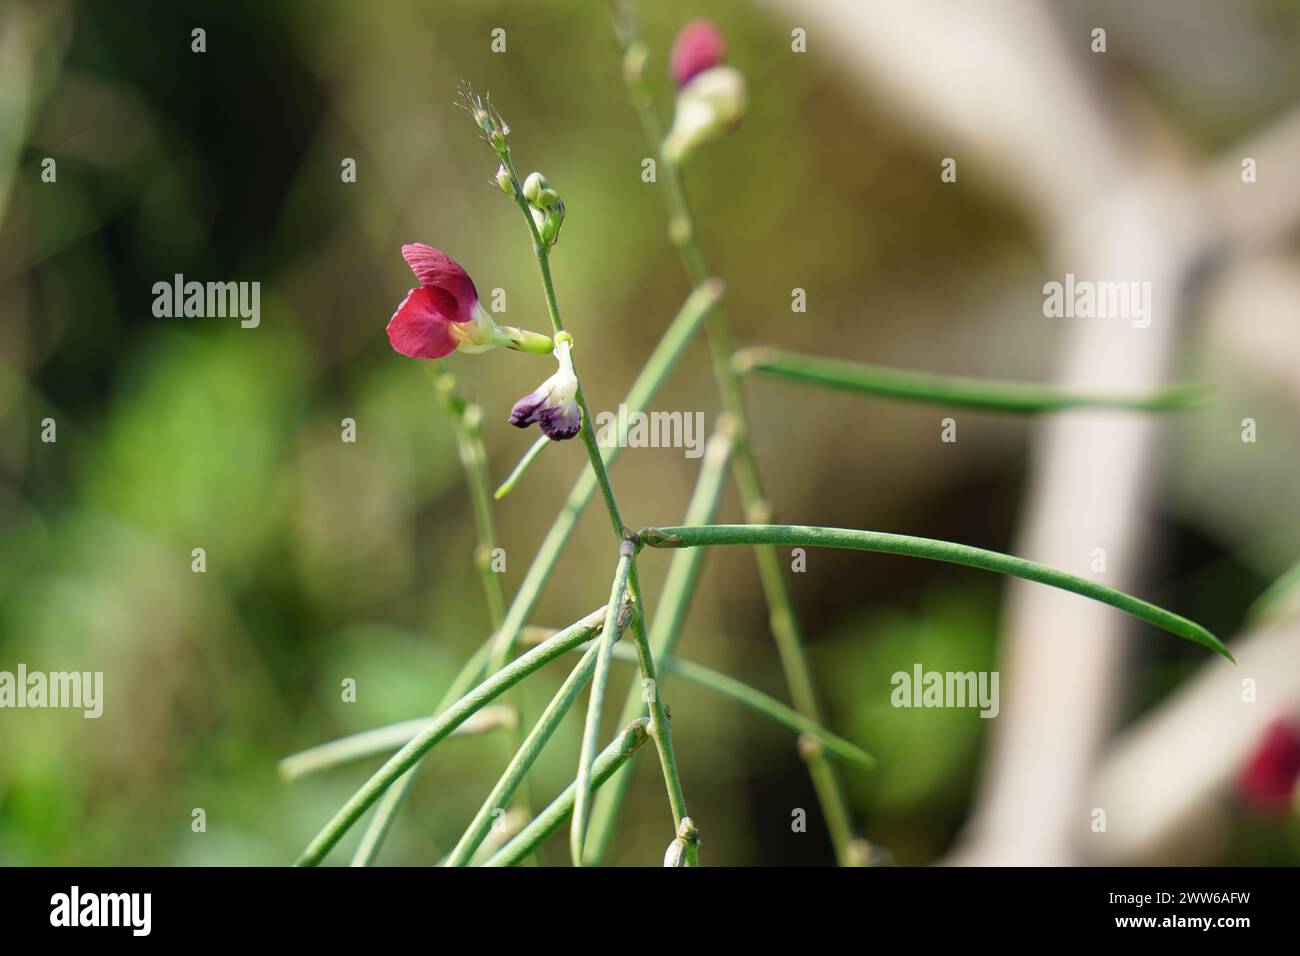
(485, 116)
(546, 205)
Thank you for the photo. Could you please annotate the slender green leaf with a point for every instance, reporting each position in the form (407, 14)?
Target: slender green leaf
(553, 817)
(987, 394)
(501, 681)
(933, 550)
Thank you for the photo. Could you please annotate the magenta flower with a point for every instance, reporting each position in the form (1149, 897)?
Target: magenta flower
(1268, 782)
(553, 405)
(711, 97)
(444, 313)
(698, 47)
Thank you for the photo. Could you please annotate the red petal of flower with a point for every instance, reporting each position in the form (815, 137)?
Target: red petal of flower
(420, 327)
(698, 47)
(438, 271)
(1269, 779)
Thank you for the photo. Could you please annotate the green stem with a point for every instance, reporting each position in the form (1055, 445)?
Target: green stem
(752, 698)
(662, 360)
(383, 740)
(523, 760)
(608, 637)
(670, 615)
(783, 623)
(402, 761)
(929, 548)
(553, 817)
(989, 395)
(1276, 596)
(508, 485)
(659, 725)
(542, 252)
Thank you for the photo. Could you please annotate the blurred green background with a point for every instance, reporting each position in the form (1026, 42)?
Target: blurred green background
(328, 560)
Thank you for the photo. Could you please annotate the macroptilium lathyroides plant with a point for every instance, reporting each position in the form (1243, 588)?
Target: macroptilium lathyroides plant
(443, 315)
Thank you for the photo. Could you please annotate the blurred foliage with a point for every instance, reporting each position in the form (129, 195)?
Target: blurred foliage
(327, 560)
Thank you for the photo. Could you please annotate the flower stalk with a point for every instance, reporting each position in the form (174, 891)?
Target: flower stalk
(784, 624)
(542, 251)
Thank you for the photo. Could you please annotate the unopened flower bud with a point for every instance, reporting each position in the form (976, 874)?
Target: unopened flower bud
(547, 207)
(505, 181)
(551, 223)
(533, 185)
(548, 200)
(712, 103)
(698, 47)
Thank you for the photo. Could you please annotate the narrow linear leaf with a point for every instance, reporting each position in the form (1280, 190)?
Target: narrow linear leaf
(608, 637)
(523, 760)
(384, 740)
(508, 485)
(501, 681)
(933, 550)
(552, 818)
(987, 394)
(758, 702)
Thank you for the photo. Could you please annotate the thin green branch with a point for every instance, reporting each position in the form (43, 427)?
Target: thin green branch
(553, 817)
(542, 253)
(512, 479)
(402, 761)
(1277, 596)
(467, 423)
(751, 698)
(679, 333)
(384, 740)
(989, 395)
(608, 637)
(784, 624)
(386, 812)
(758, 702)
(670, 615)
(930, 549)
(659, 725)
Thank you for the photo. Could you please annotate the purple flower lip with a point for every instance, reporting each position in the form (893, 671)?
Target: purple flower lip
(553, 405)
(558, 420)
(559, 424)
